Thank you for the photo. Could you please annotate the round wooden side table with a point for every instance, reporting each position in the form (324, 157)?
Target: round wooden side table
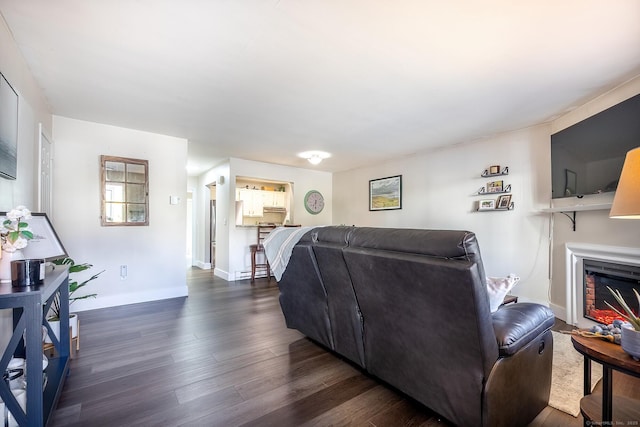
(609, 408)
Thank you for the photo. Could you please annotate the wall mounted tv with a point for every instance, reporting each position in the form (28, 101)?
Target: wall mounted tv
(8, 130)
(587, 158)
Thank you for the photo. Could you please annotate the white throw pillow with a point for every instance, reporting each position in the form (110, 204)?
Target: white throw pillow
(498, 287)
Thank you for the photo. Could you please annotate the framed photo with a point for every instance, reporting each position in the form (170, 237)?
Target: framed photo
(504, 201)
(495, 186)
(385, 193)
(45, 243)
(486, 204)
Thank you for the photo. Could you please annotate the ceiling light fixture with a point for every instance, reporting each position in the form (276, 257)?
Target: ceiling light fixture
(314, 157)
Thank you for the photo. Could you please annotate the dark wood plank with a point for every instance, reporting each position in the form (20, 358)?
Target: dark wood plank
(224, 357)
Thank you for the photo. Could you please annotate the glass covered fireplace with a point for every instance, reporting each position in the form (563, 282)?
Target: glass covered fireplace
(597, 276)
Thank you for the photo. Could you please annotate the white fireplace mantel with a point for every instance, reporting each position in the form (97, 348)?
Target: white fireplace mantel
(575, 254)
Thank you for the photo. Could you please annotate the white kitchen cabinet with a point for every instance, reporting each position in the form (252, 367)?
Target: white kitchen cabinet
(267, 198)
(273, 199)
(279, 199)
(252, 202)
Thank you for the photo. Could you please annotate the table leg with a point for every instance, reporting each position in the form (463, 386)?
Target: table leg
(607, 399)
(253, 265)
(587, 375)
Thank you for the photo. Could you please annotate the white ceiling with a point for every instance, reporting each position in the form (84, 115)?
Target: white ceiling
(364, 80)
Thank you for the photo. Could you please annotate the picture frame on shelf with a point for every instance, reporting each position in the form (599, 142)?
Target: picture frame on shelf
(495, 186)
(495, 170)
(504, 201)
(486, 204)
(45, 243)
(385, 193)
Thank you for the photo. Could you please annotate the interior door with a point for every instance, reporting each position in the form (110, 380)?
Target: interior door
(44, 179)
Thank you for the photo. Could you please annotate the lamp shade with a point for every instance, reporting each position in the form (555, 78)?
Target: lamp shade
(626, 203)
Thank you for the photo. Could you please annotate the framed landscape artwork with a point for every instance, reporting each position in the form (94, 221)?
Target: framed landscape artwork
(385, 193)
(8, 130)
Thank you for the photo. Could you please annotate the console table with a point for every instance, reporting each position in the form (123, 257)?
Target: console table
(611, 357)
(29, 304)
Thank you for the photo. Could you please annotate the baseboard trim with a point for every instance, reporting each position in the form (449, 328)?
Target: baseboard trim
(222, 274)
(202, 265)
(559, 311)
(133, 298)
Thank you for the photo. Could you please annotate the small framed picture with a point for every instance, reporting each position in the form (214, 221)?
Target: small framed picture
(486, 204)
(495, 186)
(504, 201)
(385, 193)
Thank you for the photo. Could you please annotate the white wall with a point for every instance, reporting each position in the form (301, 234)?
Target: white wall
(437, 194)
(32, 109)
(592, 226)
(154, 254)
(232, 247)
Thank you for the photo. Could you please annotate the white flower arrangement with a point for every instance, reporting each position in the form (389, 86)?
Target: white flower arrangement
(14, 231)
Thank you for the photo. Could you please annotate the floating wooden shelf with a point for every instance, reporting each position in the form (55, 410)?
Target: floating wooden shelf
(486, 174)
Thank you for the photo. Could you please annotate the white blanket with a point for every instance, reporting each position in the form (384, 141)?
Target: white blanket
(278, 247)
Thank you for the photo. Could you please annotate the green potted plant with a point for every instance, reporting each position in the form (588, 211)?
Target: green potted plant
(74, 286)
(630, 340)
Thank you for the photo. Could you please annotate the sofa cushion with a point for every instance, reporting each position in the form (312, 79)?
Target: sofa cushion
(447, 244)
(344, 313)
(517, 324)
(303, 296)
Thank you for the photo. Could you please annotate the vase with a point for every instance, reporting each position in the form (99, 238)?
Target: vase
(630, 342)
(5, 264)
(55, 326)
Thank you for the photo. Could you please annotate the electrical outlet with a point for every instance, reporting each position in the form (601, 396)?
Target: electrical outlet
(123, 272)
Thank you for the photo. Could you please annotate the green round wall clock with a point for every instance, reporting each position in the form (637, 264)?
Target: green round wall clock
(314, 202)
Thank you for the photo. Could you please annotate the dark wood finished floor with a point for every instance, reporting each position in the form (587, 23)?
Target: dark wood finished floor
(223, 357)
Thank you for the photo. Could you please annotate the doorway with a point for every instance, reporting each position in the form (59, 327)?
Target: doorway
(212, 225)
(212, 234)
(190, 228)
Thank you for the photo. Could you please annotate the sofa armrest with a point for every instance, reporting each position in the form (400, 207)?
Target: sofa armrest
(515, 325)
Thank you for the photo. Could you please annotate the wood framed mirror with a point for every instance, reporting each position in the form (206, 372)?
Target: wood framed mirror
(125, 191)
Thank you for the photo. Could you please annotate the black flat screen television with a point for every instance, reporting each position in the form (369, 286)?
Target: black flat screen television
(8, 130)
(587, 158)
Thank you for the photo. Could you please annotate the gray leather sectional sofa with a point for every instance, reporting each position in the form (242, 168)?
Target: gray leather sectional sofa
(411, 308)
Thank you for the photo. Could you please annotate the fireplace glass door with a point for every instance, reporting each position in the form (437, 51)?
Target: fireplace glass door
(597, 276)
